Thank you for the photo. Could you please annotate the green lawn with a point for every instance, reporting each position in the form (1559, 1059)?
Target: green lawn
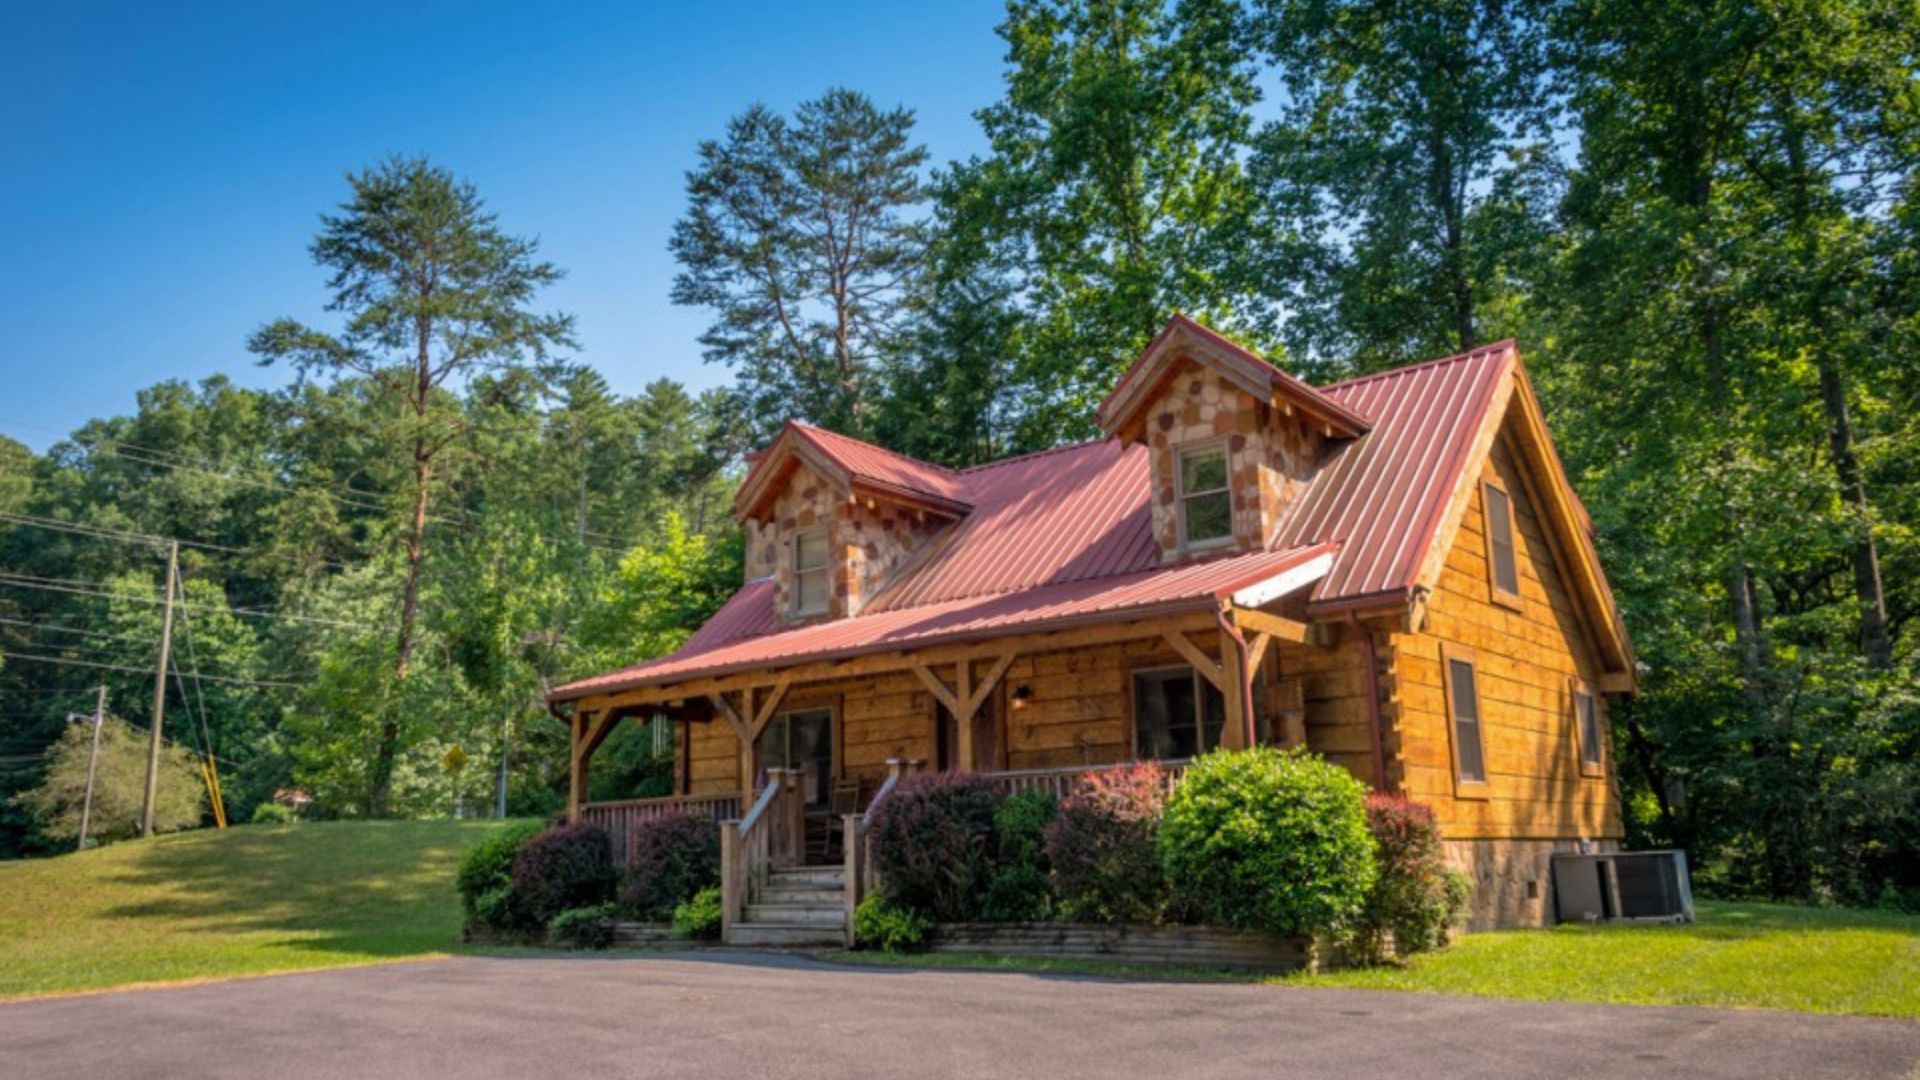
(1761, 956)
(246, 901)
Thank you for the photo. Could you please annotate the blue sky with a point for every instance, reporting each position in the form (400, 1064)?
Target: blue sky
(166, 164)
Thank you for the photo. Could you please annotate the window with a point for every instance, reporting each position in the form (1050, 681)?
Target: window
(1206, 506)
(1177, 714)
(810, 572)
(1503, 567)
(1586, 715)
(1463, 702)
(804, 741)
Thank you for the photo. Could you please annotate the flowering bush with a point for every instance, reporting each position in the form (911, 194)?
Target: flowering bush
(932, 844)
(674, 858)
(1272, 840)
(1416, 897)
(566, 867)
(1101, 847)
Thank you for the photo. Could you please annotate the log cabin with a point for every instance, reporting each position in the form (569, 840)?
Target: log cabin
(1393, 572)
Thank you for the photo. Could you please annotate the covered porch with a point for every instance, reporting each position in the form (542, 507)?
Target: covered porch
(791, 761)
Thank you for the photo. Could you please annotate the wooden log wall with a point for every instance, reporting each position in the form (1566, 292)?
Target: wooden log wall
(1524, 661)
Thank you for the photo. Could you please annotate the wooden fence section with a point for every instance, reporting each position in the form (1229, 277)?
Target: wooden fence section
(1171, 946)
(622, 820)
(1060, 781)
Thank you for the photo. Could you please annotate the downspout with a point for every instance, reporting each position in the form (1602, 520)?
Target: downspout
(1376, 743)
(1246, 676)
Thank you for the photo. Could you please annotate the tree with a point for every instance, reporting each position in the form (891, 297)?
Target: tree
(119, 785)
(1114, 194)
(432, 292)
(1403, 127)
(800, 236)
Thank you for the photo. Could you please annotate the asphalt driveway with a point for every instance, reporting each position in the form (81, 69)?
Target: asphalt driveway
(730, 1017)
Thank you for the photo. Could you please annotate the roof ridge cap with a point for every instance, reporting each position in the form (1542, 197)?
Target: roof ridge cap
(1478, 350)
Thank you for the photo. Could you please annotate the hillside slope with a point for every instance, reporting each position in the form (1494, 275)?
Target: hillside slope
(247, 901)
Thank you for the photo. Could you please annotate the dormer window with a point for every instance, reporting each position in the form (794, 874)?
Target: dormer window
(810, 572)
(1206, 506)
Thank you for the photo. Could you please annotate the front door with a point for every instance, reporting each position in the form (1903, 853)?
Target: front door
(802, 740)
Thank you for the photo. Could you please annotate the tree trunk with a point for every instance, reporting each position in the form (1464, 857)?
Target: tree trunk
(1876, 640)
(386, 751)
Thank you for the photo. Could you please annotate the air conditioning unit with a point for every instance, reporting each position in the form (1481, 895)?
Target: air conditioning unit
(1626, 886)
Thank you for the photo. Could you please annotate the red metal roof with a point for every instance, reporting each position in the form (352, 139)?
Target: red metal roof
(1066, 534)
(1190, 586)
(1382, 498)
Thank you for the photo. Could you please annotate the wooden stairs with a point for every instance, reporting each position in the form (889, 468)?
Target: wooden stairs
(798, 907)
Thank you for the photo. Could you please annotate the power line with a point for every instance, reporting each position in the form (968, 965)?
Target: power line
(71, 630)
(81, 587)
(271, 683)
(106, 532)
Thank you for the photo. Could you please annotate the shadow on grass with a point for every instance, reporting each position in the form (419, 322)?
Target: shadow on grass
(381, 889)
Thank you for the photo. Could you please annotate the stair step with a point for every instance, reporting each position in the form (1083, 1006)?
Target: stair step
(817, 876)
(797, 915)
(750, 934)
(807, 896)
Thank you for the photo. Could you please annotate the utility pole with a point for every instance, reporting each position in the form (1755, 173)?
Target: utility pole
(160, 693)
(93, 759)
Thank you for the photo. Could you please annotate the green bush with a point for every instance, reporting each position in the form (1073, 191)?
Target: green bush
(1017, 888)
(1272, 840)
(486, 871)
(568, 866)
(588, 927)
(1105, 865)
(1416, 899)
(273, 813)
(700, 919)
(933, 844)
(879, 923)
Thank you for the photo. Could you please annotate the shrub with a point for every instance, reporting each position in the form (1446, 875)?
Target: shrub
(487, 869)
(273, 813)
(566, 867)
(674, 858)
(1017, 889)
(1416, 898)
(1272, 840)
(700, 918)
(584, 927)
(932, 844)
(881, 924)
(1101, 847)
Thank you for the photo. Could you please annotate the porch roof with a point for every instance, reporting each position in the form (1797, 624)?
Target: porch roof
(742, 635)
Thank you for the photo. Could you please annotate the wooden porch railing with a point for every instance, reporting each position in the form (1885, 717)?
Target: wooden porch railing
(622, 820)
(1060, 781)
(772, 834)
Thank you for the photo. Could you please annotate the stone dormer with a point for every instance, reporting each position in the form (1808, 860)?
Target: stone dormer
(1233, 439)
(830, 519)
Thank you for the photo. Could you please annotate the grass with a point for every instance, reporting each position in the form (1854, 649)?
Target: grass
(1762, 956)
(246, 901)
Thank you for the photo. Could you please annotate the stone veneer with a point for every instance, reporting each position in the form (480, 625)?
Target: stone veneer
(866, 541)
(1270, 456)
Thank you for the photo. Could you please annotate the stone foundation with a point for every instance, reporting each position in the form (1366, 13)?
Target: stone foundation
(1512, 879)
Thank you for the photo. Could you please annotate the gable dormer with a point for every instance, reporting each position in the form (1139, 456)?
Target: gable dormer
(1232, 438)
(830, 518)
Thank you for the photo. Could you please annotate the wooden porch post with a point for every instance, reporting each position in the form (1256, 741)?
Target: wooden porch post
(1235, 733)
(576, 766)
(964, 702)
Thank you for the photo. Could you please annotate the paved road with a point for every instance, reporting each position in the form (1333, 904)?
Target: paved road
(714, 1015)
